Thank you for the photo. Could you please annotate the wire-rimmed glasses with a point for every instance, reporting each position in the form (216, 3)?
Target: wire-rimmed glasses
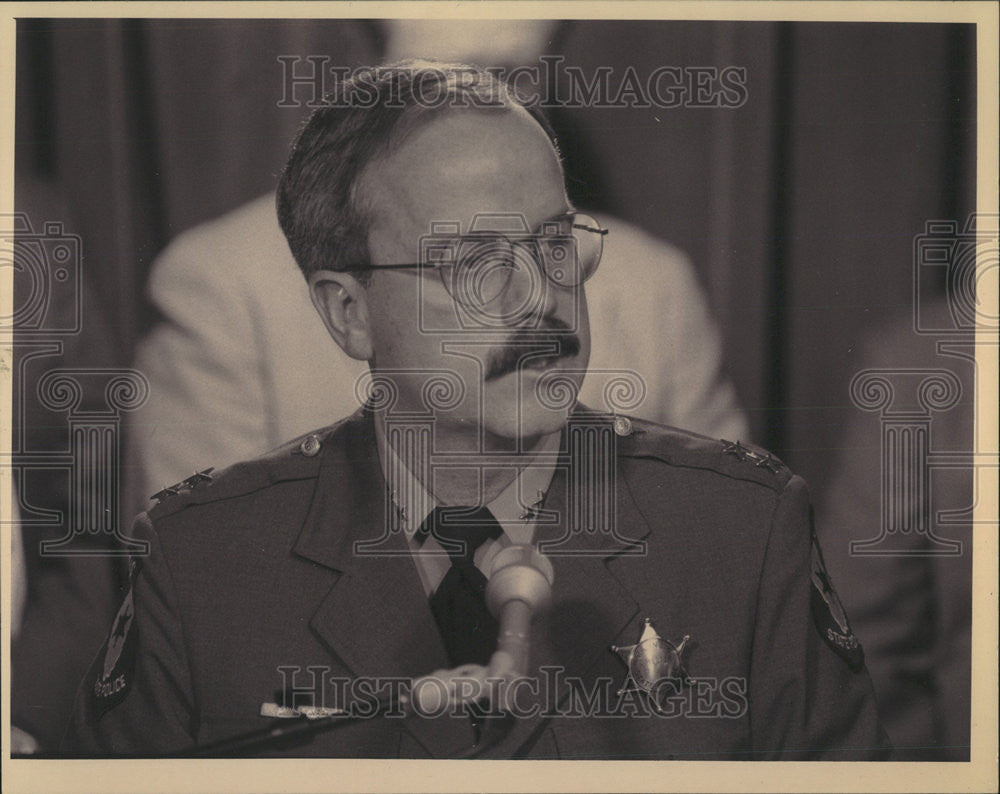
(477, 268)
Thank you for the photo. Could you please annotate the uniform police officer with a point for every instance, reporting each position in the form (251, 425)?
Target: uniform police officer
(690, 615)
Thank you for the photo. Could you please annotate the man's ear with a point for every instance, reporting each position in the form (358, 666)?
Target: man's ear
(342, 302)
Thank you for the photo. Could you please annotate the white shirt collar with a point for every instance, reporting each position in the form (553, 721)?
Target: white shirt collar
(515, 508)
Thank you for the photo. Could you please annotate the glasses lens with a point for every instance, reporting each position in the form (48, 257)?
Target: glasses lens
(482, 269)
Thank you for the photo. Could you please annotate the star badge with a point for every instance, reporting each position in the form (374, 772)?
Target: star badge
(650, 662)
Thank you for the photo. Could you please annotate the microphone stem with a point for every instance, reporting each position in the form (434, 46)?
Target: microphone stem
(513, 641)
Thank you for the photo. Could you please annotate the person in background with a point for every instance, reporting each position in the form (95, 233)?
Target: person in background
(21, 742)
(911, 608)
(68, 600)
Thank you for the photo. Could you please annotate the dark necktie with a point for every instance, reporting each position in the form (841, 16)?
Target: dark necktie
(468, 629)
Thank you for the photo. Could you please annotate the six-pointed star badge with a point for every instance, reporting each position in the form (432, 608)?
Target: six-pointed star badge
(652, 661)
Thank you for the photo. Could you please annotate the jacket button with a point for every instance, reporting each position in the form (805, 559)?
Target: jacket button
(623, 426)
(310, 446)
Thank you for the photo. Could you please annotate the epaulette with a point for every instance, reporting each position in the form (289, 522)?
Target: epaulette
(736, 459)
(298, 459)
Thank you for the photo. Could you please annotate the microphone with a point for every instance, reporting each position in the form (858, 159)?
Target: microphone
(519, 587)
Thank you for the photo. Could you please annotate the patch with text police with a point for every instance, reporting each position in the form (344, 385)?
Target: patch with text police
(111, 677)
(829, 615)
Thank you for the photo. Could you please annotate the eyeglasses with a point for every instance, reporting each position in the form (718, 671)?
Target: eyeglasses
(478, 267)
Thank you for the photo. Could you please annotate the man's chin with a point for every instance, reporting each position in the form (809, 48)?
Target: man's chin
(536, 403)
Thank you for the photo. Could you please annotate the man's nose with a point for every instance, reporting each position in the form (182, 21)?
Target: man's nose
(529, 292)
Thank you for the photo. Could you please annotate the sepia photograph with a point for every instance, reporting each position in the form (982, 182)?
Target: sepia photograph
(500, 382)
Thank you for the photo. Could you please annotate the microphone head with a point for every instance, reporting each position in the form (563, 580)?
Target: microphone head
(519, 573)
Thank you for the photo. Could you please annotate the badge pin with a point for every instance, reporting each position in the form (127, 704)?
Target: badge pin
(651, 662)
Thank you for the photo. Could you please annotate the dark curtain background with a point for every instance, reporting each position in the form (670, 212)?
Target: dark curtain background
(798, 209)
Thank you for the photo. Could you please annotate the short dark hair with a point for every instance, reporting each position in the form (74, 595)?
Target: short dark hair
(365, 117)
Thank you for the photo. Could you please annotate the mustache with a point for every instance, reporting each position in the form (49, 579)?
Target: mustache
(533, 345)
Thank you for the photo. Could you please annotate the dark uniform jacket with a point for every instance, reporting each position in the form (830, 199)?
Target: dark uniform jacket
(285, 563)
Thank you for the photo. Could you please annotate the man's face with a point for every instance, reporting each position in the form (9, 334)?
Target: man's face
(451, 169)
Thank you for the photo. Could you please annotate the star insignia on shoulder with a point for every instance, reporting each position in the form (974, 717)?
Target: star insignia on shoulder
(766, 462)
(205, 475)
(744, 453)
(652, 663)
(735, 448)
(198, 477)
(160, 495)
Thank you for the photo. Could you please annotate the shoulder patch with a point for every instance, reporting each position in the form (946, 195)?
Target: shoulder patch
(829, 615)
(111, 676)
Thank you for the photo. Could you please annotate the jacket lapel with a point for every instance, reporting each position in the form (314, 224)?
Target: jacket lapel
(375, 618)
